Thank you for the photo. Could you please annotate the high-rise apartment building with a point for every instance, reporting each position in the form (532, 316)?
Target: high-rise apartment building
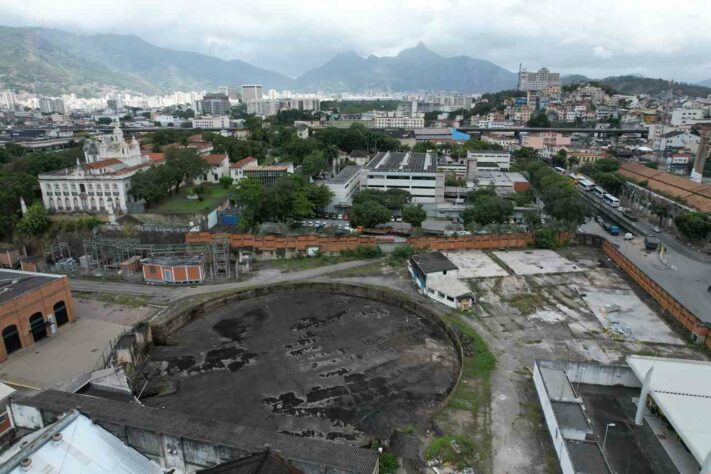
(537, 81)
(251, 92)
(49, 105)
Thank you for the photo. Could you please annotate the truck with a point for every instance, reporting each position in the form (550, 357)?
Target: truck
(651, 242)
(611, 229)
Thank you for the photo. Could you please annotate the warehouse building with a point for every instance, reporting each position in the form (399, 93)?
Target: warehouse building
(32, 306)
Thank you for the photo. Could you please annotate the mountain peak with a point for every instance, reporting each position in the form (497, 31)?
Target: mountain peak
(419, 51)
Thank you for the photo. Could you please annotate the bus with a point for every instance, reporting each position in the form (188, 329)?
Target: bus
(598, 191)
(586, 184)
(610, 200)
(560, 171)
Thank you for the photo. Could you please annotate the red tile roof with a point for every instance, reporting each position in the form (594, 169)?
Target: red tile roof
(215, 159)
(156, 157)
(695, 195)
(243, 162)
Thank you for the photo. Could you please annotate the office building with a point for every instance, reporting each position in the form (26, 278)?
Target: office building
(415, 173)
(213, 104)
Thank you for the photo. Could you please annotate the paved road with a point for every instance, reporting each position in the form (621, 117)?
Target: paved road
(162, 294)
(687, 279)
(644, 228)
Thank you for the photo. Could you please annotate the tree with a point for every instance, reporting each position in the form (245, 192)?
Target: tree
(35, 221)
(185, 165)
(488, 210)
(560, 159)
(693, 225)
(414, 215)
(249, 195)
(539, 120)
(369, 214)
(318, 195)
(104, 121)
(613, 183)
(151, 185)
(226, 181)
(313, 164)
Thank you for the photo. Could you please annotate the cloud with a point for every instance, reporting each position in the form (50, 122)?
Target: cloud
(665, 39)
(601, 52)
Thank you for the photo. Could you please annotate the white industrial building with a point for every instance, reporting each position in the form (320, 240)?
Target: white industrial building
(415, 173)
(343, 186)
(487, 160)
(584, 404)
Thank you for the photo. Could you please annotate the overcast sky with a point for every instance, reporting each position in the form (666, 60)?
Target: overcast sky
(669, 39)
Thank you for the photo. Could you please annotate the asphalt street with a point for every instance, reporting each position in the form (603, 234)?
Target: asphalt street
(686, 278)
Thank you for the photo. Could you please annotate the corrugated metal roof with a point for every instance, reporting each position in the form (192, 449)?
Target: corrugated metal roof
(682, 389)
(87, 448)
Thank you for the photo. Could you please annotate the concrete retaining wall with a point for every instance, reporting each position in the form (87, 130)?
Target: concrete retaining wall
(595, 374)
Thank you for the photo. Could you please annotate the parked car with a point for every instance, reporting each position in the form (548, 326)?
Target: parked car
(628, 236)
(656, 229)
(339, 217)
(345, 217)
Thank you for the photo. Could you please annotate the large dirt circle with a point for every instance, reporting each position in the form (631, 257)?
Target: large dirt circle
(309, 363)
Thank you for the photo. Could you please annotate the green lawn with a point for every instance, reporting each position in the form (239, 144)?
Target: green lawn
(214, 194)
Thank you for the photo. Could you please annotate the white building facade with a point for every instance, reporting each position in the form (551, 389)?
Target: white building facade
(102, 183)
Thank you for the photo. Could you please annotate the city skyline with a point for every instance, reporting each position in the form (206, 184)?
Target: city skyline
(668, 41)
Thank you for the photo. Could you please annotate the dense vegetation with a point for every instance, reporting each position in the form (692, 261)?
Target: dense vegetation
(289, 200)
(18, 179)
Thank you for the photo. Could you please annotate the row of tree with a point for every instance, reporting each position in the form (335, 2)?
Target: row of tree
(562, 201)
(291, 198)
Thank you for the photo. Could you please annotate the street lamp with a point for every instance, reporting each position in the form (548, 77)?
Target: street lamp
(605, 439)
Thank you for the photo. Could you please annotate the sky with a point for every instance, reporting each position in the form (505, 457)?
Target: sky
(597, 38)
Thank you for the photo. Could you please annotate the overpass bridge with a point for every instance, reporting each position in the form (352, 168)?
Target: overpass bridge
(599, 131)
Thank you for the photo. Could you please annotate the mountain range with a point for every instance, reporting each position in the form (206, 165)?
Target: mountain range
(49, 61)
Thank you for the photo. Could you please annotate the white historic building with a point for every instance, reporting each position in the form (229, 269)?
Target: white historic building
(100, 184)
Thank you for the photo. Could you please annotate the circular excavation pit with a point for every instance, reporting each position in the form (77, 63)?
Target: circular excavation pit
(307, 362)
